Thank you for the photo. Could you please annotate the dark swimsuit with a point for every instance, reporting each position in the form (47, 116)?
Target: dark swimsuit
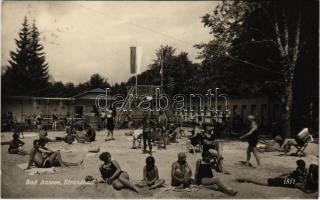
(253, 139)
(204, 171)
(107, 170)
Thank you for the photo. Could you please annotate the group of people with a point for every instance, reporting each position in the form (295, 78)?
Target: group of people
(203, 135)
(160, 130)
(181, 174)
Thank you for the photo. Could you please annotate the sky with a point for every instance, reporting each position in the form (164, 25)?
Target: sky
(83, 38)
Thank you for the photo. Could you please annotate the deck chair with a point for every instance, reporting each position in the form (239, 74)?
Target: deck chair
(300, 149)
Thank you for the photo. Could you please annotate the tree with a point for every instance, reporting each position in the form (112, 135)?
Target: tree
(27, 72)
(97, 81)
(16, 72)
(278, 29)
(38, 66)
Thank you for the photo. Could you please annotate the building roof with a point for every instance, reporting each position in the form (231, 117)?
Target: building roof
(94, 91)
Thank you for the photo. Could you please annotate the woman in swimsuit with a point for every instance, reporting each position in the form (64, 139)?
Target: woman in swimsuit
(205, 176)
(252, 136)
(111, 172)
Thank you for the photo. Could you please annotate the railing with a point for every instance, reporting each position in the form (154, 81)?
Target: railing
(147, 89)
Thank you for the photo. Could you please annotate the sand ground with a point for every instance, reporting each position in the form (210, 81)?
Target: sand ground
(14, 179)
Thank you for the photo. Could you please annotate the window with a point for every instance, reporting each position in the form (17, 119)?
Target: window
(253, 109)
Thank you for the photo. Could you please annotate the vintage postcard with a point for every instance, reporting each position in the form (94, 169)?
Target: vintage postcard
(160, 99)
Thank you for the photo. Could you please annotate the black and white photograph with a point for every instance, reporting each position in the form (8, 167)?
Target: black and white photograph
(160, 99)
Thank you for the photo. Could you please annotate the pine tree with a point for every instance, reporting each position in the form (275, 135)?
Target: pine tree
(27, 73)
(39, 68)
(15, 80)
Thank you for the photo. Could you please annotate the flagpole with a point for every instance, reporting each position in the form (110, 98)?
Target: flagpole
(161, 68)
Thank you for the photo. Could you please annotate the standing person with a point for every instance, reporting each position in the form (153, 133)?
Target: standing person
(163, 122)
(181, 172)
(146, 133)
(110, 125)
(205, 176)
(111, 172)
(38, 121)
(151, 175)
(103, 119)
(252, 136)
(54, 120)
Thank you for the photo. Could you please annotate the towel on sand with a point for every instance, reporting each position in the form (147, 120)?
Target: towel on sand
(35, 170)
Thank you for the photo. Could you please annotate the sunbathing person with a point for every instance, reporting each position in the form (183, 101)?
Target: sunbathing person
(16, 145)
(302, 137)
(69, 138)
(151, 175)
(298, 176)
(90, 133)
(204, 175)
(111, 172)
(43, 157)
(181, 172)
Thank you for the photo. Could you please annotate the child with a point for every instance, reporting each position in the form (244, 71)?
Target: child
(110, 125)
(136, 137)
(181, 172)
(147, 126)
(15, 146)
(151, 175)
(111, 172)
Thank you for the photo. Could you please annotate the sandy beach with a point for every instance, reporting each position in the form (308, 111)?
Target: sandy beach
(69, 183)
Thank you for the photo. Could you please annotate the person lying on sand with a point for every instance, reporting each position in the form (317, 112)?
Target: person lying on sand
(293, 179)
(16, 145)
(151, 175)
(204, 175)
(111, 172)
(43, 157)
(181, 172)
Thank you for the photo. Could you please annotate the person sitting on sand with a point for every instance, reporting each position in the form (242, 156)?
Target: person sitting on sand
(181, 172)
(151, 175)
(204, 175)
(90, 133)
(16, 145)
(69, 138)
(111, 173)
(252, 136)
(43, 136)
(43, 157)
(298, 176)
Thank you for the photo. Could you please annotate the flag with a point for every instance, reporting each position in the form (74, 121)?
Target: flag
(135, 59)
(161, 62)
